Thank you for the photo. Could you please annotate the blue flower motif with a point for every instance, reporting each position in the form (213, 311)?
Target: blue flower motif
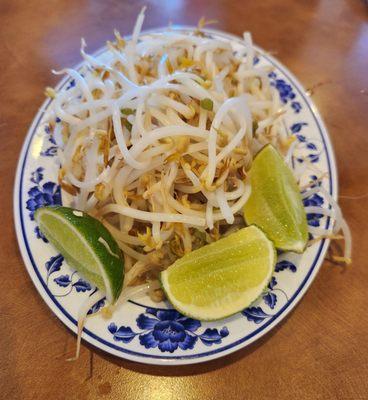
(315, 201)
(37, 175)
(96, 307)
(213, 336)
(314, 219)
(167, 330)
(70, 84)
(123, 334)
(40, 235)
(50, 152)
(54, 264)
(285, 90)
(272, 283)
(285, 264)
(81, 285)
(311, 146)
(296, 106)
(315, 181)
(297, 127)
(301, 138)
(49, 133)
(255, 314)
(270, 299)
(63, 280)
(46, 195)
(313, 158)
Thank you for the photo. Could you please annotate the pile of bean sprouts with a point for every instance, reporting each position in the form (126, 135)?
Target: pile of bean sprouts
(156, 141)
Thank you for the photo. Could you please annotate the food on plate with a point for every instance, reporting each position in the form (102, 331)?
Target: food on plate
(86, 245)
(275, 204)
(221, 278)
(175, 142)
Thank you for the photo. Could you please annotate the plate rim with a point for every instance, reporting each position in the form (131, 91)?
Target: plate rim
(145, 358)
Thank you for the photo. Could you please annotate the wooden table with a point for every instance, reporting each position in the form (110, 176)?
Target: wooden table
(320, 351)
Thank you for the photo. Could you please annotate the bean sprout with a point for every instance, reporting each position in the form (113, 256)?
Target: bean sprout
(157, 139)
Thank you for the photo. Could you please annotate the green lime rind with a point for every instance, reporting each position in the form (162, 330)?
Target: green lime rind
(222, 278)
(275, 204)
(86, 245)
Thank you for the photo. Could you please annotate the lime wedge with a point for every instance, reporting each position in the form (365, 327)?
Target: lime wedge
(275, 204)
(223, 277)
(86, 245)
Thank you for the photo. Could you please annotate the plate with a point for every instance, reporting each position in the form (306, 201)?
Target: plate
(155, 333)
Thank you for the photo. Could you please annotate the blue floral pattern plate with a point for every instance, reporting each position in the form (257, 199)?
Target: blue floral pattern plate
(155, 333)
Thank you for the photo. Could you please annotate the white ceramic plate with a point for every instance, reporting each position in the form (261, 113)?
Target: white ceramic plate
(155, 334)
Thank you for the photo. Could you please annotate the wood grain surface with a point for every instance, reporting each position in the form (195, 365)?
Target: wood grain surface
(321, 350)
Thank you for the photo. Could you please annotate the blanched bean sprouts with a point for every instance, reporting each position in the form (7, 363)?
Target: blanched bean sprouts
(157, 140)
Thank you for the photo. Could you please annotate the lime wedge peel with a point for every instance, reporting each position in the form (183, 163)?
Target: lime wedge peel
(86, 245)
(222, 278)
(275, 203)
